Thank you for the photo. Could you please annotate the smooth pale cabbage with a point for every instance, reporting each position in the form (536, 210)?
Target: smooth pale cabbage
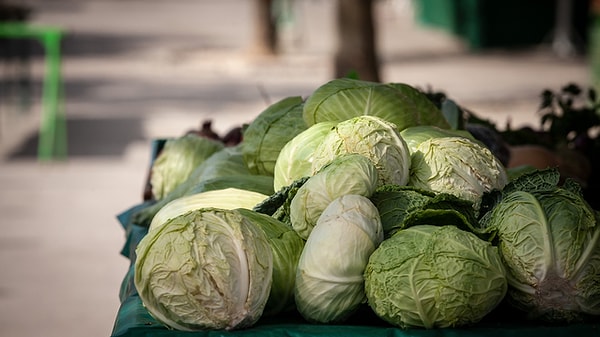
(345, 98)
(347, 174)
(266, 135)
(227, 198)
(329, 281)
(296, 157)
(286, 246)
(206, 269)
(177, 160)
(457, 166)
(225, 168)
(434, 277)
(373, 138)
(550, 242)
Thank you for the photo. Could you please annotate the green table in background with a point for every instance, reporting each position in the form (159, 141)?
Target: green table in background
(53, 131)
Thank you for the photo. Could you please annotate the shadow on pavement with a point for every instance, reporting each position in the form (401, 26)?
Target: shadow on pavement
(90, 137)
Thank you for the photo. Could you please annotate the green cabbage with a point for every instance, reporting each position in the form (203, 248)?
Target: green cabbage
(266, 135)
(549, 238)
(373, 138)
(457, 166)
(226, 198)
(329, 281)
(434, 277)
(177, 160)
(206, 269)
(348, 174)
(286, 246)
(296, 157)
(415, 135)
(398, 103)
(225, 168)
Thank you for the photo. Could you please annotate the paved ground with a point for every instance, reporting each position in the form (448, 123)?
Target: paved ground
(136, 70)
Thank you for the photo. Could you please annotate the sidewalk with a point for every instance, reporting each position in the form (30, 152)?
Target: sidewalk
(137, 70)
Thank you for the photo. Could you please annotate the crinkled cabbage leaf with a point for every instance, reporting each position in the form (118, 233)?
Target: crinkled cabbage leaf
(206, 269)
(373, 138)
(434, 277)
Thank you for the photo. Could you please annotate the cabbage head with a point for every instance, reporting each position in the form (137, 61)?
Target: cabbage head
(206, 269)
(226, 198)
(177, 160)
(434, 277)
(345, 98)
(415, 135)
(296, 157)
(373, 138)
(550, 242)
(348, 174)
(266, 135)
(457, 166)
(286, 247)
(329, 279)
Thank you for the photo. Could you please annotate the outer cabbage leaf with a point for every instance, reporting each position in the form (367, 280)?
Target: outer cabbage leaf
(296, 157)
(457, 166)
(206, 269)
(348, 174)
(373, 138)
(345, 98)
(266, 135)
(286, 246)
(177, 160)
(329, 279)
(226, 198)
(434, 277)
(550, 242)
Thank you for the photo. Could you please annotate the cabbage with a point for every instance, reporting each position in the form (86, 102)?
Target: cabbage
(296, 157)
(373, 138)
(329, 281)
(348, 174)
(286, 247)
(344, 98)
(415, 135)
(225, 168)
(176, 161)
(206, 269)
(264, 137)
(227, 198)
(434, 277)
(457, 166)
(549, 238)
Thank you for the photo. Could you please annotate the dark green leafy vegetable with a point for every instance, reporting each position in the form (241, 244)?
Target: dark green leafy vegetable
(268, 133)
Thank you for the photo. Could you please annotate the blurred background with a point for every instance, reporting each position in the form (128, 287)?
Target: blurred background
(86, 85)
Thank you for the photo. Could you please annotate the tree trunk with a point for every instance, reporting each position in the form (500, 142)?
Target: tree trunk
(265, 29)
(356, 53)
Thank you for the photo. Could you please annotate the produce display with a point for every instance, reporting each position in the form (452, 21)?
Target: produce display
(362, 209)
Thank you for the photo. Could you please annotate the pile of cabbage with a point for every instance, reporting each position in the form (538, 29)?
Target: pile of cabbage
(362, 196)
